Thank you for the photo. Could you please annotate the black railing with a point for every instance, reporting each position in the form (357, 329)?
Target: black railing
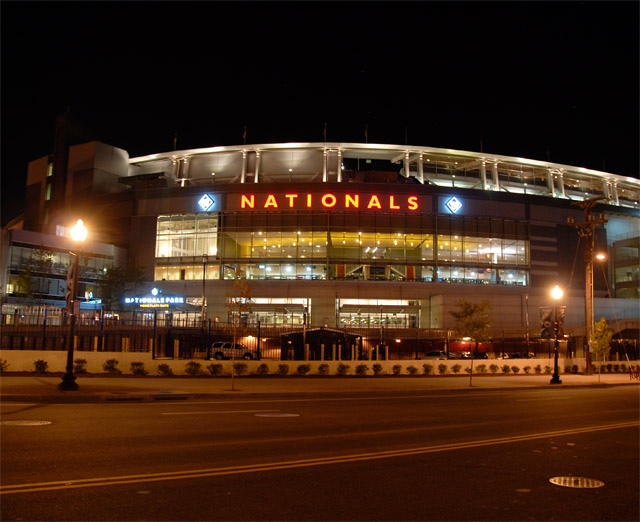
(166, 339)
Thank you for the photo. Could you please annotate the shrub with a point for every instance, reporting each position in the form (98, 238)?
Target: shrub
(137, 368)
(515, 369)
(567, 369)
(481, 368)
(575, 368)
(343, 369)
(616, 368)
(397, 369)
(40, 366)
(527, 369)
(467, 369)
(80, 366)
(442, 368)
(412, 370)
(377, 369)
(283, 369)
(192, 368)
(538, 369)
(304, 369)
(215, 369)
(623, 368)
(164, 370)
(494, 368)
(609, 367)
(111, 366)
(548, 369)
(428, 369)
(323, 369)
(506, 369)
(362, 369)
(3, 365)
(456, 368)
(240, 368)
(263, 369)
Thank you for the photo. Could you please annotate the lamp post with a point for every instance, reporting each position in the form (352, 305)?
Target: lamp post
(204, 276)
(78, 234)
(556, 293)
(586, 230)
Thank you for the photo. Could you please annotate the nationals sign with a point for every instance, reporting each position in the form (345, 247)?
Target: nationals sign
(322, 200)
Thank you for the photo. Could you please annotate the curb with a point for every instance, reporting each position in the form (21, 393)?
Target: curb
(125, 397)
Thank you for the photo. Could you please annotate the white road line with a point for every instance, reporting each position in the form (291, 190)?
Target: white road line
(541, 399)
(214, 412)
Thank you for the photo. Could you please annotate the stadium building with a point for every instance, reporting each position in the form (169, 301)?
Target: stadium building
(329, 234)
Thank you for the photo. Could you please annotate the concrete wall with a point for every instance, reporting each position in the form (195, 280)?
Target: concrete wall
(22, 361)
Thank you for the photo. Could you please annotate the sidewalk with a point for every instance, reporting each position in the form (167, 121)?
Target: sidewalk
(36, 388)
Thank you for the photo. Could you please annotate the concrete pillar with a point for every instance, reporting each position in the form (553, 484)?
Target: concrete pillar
(605, 189)
(494, 176)
(483, 176)
(255, 176)
(420, 169)
(176, 348)
(339, 176)
(407, 168)
(95, 344)
(560, 185)
(243, 172)
(324, 165)
(614, 193)
(333, 352)
(550, 185)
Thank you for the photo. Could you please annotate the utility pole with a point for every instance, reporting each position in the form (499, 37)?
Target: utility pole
(585, 230)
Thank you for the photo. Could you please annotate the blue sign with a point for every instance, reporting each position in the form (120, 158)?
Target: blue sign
(453, 204)
(206, 202)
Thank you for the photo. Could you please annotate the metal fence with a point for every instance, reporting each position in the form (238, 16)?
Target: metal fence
(168, 340)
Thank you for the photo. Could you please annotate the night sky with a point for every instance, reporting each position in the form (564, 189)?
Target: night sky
(543, 80)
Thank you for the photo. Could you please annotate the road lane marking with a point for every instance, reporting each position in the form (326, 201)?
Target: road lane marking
(543, 399)
(253, 468)
(213, 412)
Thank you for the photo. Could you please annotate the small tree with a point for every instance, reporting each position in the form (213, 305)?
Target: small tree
(116, 281)
(238, 299)
(601, 339)
(472, 320)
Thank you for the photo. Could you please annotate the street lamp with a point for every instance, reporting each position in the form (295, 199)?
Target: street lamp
(556, 293)
(204, 276)
(78, 234)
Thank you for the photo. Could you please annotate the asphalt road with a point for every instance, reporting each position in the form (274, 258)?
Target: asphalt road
(442, 455)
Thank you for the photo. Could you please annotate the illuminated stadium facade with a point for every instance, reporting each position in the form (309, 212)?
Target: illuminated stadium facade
(346, 234)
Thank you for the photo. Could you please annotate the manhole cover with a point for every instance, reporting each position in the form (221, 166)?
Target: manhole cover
(24, 423)
(277, 415)
(576, 482)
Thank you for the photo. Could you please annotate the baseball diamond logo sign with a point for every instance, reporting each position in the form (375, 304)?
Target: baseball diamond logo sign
(206, 202)
(453, 205)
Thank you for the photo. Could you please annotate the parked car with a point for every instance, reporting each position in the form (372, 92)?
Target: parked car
(440, 355)
(223, 350)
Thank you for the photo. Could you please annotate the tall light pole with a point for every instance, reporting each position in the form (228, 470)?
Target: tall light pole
(585, 230)
(204, 276)
(559, 311)
(78, 234)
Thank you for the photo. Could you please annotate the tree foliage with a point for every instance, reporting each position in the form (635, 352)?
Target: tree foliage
(602, 339)
(31, 280)
(118, 281)
(472, 320)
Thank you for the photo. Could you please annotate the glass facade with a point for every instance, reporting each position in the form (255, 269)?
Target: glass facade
(341, 246)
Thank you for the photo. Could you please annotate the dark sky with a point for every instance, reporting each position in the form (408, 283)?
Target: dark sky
(528, 79)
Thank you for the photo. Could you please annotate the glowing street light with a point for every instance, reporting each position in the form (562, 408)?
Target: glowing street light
(78, 234)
